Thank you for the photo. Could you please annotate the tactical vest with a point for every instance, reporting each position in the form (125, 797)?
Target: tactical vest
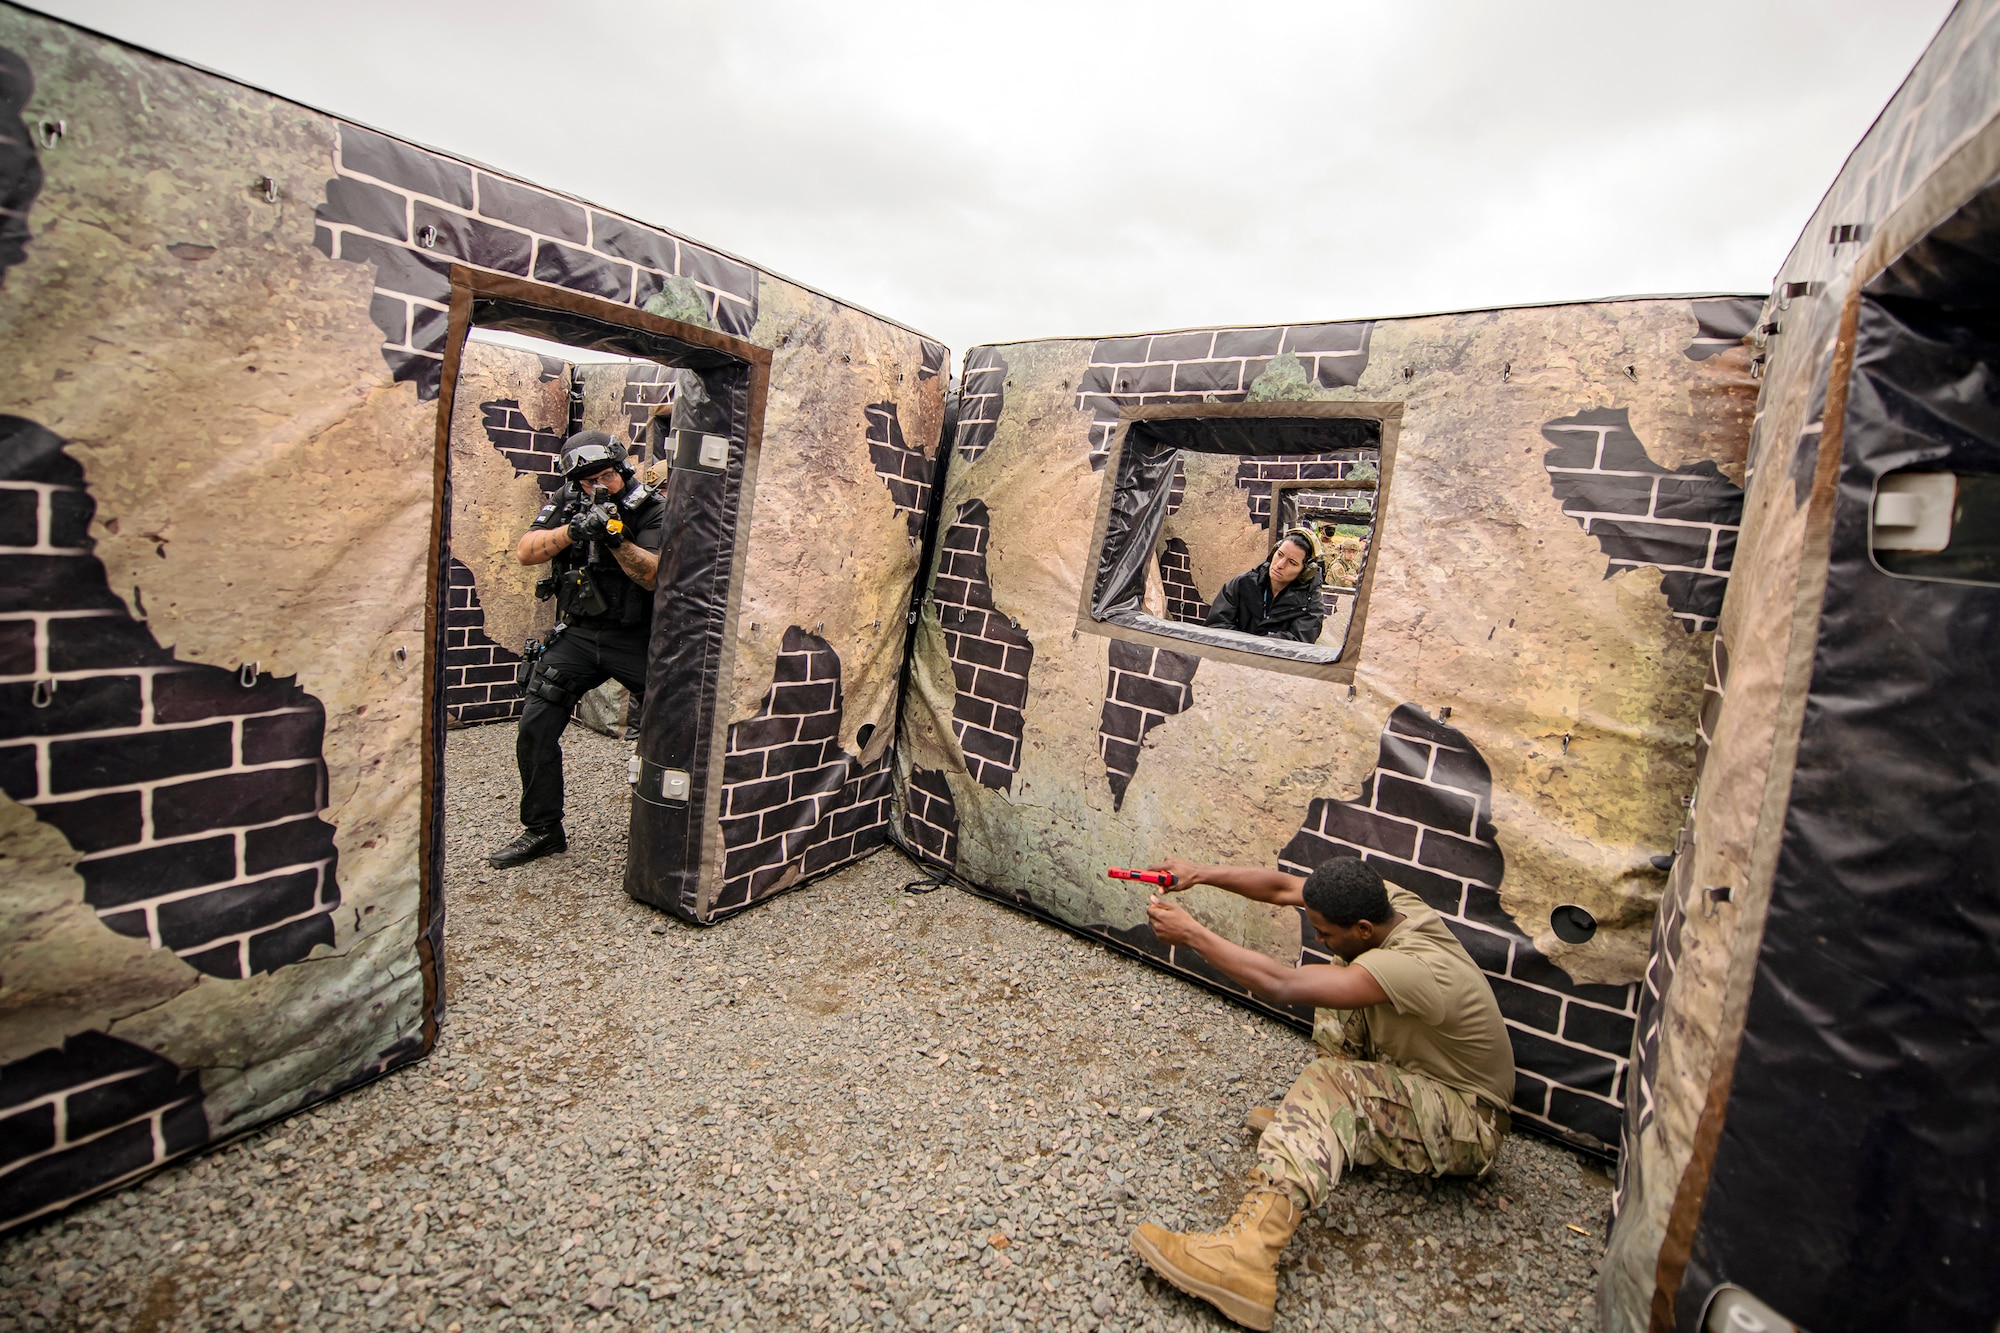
(591, 588)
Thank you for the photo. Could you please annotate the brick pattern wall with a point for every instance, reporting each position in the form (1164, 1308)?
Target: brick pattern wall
(1335, 506)
(84, 1116)
(931, 362)
(931, 821)
(1682, 523)
(1210, 365)
(649, 391)
(990, 654)
(478, 673)
(1721, 325)
(1143, 688)
(412, 214)
(1184, 601)
(1424, 820)
(534, 453)
(1258, 475)
(194, 798)
(794, 803)
(981, 394)
(904, 470)
(1176, 489)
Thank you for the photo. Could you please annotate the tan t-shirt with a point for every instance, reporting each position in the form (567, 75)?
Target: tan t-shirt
(1441, 1019)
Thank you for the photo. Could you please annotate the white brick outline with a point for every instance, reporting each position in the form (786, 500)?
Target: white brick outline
(59, 1099)
(1620, 1062)
(1586, 518)
(46, 795)
(339, 231)
(1104, 403)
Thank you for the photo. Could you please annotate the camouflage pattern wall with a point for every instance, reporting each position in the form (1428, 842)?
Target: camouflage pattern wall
(220, 475)
(1813, 1107)
(1556, 513)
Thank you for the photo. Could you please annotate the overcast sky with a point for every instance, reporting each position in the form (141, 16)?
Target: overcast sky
(1012, 170)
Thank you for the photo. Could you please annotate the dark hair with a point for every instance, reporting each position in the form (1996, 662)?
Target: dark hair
(1346, 890)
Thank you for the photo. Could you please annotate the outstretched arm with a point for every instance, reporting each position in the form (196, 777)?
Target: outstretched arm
(1321, 985)
(1252, 882)
(540, 545)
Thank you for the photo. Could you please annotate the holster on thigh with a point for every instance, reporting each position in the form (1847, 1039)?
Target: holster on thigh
(555, 685)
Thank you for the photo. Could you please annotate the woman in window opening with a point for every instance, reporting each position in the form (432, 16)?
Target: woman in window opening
(1277, 600)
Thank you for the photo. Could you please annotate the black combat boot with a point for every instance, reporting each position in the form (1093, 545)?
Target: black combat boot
(530, 846)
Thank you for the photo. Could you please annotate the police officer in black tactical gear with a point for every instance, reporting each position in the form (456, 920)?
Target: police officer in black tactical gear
(602, 533)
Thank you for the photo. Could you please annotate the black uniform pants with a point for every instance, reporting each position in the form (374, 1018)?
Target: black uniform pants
(580, 660)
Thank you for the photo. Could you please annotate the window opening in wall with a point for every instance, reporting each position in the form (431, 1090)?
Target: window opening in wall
(1197, 500)
(1341, 517)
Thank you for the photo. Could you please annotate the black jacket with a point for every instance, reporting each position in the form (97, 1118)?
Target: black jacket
(627, 605)
(1295, 613)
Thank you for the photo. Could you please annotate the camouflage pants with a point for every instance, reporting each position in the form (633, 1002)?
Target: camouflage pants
(1346, 1110)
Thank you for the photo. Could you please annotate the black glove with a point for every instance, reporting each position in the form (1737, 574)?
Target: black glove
(609, 529)
(598, 524)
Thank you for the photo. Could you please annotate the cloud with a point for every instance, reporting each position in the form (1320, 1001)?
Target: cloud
(990, 173)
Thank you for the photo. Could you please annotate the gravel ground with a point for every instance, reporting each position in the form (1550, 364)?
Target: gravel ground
(850, 1108)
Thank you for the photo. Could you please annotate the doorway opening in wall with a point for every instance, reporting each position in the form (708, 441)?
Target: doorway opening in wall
(1196, 501)
(597, 597)
(520, 398)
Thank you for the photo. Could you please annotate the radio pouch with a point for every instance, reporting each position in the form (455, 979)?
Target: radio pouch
(579, 597)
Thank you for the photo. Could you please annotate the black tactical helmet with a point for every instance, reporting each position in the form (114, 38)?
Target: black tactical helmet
(590, 451)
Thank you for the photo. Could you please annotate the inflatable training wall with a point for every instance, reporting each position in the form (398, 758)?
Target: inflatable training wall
(229, 449)
(1815, 1116)
(1528, 521)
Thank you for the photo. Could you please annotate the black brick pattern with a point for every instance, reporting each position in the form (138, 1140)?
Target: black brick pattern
(1184, 602)
(1209, 365)
(534, 453)
(1682, 523)
(990, 654)
(1144, 687)
(932, 363)
(1258, 475)
(195, 799)
(413, 213)
(1335, 506)
(87, 1115)
(981, 394)
(1424, 820)
(794, 803)
(649, 392)
(478, 673)
(930, 822)
(903, 469)
(1721, 325)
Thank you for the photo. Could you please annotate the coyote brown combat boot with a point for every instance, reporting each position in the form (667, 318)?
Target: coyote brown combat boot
(1260, 1118)
(1235, 1269)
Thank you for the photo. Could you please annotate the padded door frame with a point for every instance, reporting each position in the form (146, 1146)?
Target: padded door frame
(469, 285)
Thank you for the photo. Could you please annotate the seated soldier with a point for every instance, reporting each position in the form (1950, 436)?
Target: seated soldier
(1417, 1070)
